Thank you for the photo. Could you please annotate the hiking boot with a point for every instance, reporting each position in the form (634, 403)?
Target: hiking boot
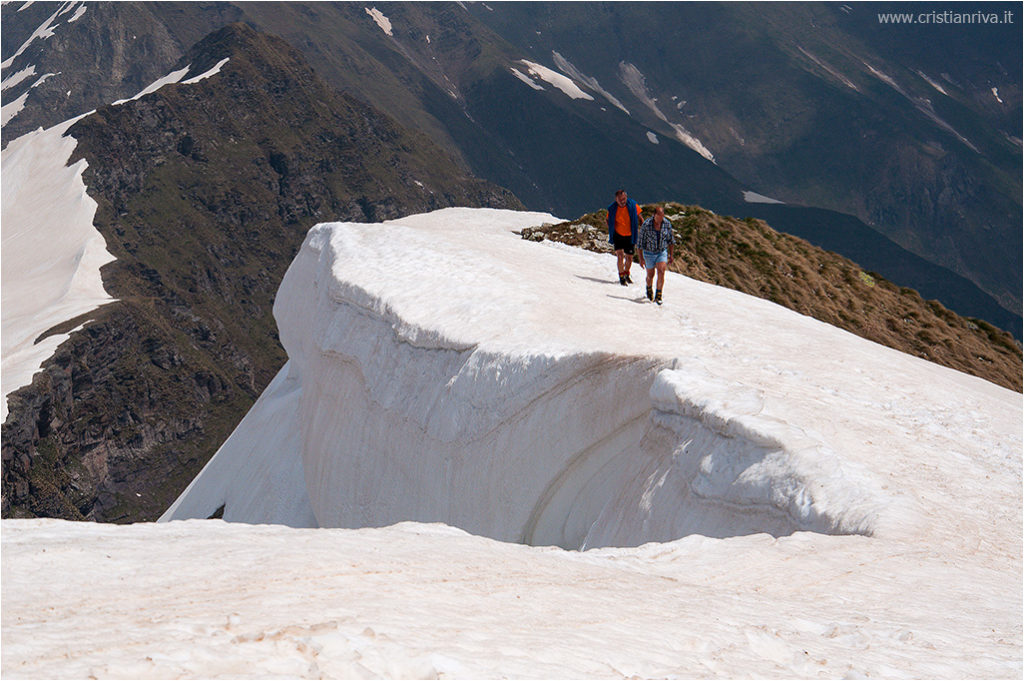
(650, 293)
(622, 279)
(629, 279)
(657, 297)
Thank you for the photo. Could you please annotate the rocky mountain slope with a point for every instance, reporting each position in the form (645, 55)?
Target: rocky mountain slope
(884, 148)
(749, 256)
(205, 192)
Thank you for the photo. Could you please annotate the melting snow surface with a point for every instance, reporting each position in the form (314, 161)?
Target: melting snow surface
(995, 93)
(382, 21)
(652, 137)
(775, 497)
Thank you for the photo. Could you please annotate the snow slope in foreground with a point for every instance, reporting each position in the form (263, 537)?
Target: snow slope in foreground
(209, 599)
(515, 390)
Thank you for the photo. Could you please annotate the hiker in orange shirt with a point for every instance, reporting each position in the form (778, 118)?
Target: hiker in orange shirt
(623, 225)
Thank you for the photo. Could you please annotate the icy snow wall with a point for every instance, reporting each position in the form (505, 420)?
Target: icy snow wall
(443, 369)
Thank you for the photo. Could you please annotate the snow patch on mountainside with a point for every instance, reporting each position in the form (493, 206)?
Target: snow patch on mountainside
(214, 70)
(921, 104)
(78, 13)
(754, 197)
(44, 31)
(175, 77)
(557, 80)
(526, 79)
(16, 78)
(13, 108)
(932, 82)
(635, 80)
(567, 67)
(382, 21)
(51, 252)
(830, 70)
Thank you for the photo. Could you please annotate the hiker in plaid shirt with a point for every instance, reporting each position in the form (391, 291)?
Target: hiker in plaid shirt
(656, 244)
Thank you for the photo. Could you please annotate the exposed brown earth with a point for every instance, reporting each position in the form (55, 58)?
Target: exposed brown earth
(749, 256)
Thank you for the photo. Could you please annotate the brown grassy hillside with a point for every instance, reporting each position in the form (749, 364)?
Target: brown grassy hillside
(749, 256)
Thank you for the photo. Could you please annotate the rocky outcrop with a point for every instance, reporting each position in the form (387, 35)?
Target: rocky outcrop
(204, 193)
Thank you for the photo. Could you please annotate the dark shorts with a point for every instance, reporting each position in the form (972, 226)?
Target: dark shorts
(622, 243)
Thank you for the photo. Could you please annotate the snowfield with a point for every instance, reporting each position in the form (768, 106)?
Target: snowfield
(51, 252)
(756, 494)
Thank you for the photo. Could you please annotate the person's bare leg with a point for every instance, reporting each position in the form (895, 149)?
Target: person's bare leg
(661, 281)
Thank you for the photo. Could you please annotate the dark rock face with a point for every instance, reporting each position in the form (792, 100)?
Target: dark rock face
(204, 192)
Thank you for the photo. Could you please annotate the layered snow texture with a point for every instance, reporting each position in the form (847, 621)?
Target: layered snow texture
(442, 369)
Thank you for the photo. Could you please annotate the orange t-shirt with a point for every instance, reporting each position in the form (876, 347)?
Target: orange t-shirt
(622, 222)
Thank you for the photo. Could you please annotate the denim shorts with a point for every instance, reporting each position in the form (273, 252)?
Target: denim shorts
(652, 258)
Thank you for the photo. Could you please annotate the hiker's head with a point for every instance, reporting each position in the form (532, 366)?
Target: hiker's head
(620, 197)
(659, 212)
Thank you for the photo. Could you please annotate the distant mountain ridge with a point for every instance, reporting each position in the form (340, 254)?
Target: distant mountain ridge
(860, 130)
(205, 192)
